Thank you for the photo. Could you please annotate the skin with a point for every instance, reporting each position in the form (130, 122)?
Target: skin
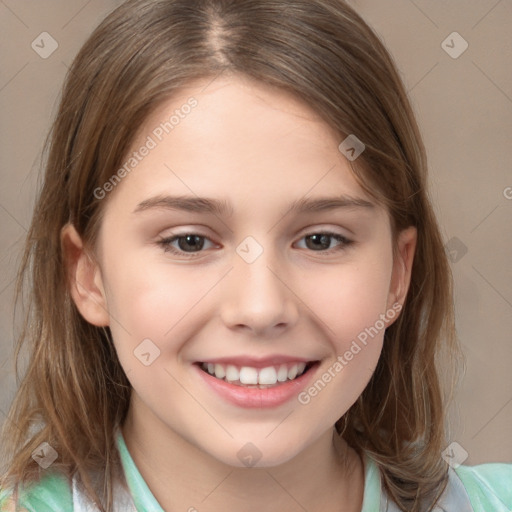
(259, 149)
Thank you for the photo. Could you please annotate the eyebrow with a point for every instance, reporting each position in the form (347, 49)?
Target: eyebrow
(223, 208)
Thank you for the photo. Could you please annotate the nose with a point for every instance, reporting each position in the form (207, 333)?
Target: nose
(258, 298)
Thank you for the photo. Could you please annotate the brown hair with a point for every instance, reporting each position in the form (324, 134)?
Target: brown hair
(320, 51)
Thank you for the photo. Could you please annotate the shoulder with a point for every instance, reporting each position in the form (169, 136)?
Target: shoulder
(489, 486)
(51, 494)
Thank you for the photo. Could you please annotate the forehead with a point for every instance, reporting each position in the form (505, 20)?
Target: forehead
(229, 97)
(236, 137)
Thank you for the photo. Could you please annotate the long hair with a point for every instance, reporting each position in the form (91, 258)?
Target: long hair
(73, 393)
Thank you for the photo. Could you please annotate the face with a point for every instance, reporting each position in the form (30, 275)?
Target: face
(239, 244)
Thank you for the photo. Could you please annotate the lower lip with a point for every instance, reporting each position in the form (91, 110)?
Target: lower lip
(257, 397)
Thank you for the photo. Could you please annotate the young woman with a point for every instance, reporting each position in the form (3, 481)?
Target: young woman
(238, 286)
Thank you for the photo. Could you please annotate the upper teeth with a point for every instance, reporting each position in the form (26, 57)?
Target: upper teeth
(248, 375)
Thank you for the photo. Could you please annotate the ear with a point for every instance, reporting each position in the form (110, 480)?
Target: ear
(84, 278)
(402, 268)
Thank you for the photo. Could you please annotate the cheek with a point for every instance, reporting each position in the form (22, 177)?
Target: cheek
(350, 302)
(350, 298)
(152, 301)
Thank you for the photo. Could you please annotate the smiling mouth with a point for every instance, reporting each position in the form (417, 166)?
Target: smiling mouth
(247, 376)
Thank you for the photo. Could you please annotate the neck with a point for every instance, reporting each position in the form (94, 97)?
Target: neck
(327, 476)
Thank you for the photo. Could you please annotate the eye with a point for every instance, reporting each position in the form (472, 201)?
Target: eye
(188, 243)
(321, 242)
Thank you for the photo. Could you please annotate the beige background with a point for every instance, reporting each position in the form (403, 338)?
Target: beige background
(464, 106)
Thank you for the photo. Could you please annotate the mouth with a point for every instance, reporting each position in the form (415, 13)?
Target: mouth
(261, 378)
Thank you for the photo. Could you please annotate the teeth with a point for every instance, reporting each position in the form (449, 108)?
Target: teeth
(220, 373)
(292, 372)
(247, 375)
(267, 376)
(282, 373)
(232, 373)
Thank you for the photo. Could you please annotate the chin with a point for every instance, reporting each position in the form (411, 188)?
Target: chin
(257, 454)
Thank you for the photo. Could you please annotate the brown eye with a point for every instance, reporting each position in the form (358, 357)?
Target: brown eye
(321, 242)
(189, 243)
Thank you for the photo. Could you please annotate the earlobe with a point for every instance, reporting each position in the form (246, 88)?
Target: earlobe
(84, 279)
(402, 266)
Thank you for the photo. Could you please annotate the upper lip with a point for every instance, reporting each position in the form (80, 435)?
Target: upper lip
(257, 362)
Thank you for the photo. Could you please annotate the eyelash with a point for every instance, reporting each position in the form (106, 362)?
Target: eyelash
(166, 243)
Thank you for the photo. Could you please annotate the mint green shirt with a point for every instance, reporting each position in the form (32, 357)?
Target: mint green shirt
(483, 488)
